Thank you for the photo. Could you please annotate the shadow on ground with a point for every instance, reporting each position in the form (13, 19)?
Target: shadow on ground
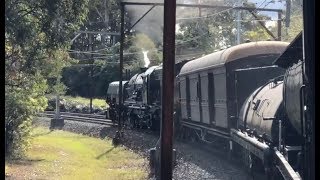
(42, 134)
(23, 161)
(105, 153)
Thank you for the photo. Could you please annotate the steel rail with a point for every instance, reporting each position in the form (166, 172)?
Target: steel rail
(80, 118)
(78, 114)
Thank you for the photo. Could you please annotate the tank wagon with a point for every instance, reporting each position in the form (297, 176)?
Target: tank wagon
(271, 120)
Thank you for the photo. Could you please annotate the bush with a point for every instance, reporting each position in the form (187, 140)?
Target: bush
(21, 105)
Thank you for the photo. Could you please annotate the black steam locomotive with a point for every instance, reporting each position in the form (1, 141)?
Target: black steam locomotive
(237, 95)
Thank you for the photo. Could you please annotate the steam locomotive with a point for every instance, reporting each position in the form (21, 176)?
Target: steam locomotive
(237, 95)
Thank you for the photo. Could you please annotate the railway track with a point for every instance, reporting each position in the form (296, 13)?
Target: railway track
(80, 117)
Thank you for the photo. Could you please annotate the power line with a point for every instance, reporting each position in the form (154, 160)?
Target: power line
(208, 16)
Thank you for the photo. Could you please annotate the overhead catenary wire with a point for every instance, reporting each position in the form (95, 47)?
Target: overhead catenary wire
(177, 43)
(207, 16)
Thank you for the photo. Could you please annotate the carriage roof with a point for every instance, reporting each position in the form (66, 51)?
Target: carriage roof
(114, 87)
(234, 53)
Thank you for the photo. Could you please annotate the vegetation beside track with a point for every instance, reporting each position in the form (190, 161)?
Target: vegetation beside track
(64, 155)
(101, 103)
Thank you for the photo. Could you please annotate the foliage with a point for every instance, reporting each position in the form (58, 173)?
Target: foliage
(98, 54)
(101, 103)
(77, 79)
(296, 21)
(21, 105)
(217, 28)
(37, 34)
(258, 34)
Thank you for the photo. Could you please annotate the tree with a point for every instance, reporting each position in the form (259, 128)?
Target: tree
(296, 21)
(216, 29)
(98, 54)
(37, 34)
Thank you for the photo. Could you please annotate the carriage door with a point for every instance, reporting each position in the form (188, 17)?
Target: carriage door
(188, 97)
(183, 85)
(194, 97)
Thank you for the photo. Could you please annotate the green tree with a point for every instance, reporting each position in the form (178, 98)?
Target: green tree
(37, 34)
(102, 51)
(296, 21)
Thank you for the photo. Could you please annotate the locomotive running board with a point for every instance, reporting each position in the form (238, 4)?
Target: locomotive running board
(256, 147)
(209, 130)
(284, 167)
(265, 153)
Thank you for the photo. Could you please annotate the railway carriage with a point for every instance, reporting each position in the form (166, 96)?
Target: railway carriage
(213, 88)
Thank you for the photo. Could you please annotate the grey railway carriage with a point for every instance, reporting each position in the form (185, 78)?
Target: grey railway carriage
(213, 88)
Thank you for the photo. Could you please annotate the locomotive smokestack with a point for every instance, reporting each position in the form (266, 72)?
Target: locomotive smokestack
(145, 58)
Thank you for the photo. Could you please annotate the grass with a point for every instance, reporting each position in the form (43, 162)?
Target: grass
(81, 100)
(65, 155)
(96, 102)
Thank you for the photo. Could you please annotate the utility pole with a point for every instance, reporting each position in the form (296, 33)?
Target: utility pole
(106, 18)
(199, 2)
(167, 90)
(57, 115)
(91, 71)
(118, 135)
(238, 22)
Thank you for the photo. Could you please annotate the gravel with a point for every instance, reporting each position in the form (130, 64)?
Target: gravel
(192, 162)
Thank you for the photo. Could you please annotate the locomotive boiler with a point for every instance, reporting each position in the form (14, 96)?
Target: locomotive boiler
(272, 118)
(142, 105)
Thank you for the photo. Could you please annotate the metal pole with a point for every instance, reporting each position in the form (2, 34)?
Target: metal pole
(309, 60)
(268, 31)
(121, 66)
(238, 23)
(91, 73)
(168, 88)
(199, 2)
(279, 26)
(57, 107)
(280, 138)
